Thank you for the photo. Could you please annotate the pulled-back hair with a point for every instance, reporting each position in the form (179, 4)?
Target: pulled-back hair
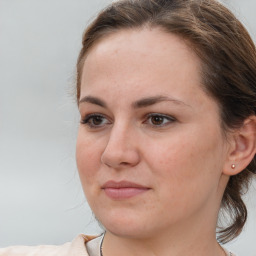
(228, 59)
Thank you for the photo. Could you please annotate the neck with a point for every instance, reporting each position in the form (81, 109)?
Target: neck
(180, 239)
(164, 246)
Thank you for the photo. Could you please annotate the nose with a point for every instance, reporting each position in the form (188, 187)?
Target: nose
(121, 149)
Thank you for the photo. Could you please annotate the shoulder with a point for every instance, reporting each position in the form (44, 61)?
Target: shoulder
(74, 248)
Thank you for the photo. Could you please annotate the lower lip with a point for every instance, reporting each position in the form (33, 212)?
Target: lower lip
(124, 193)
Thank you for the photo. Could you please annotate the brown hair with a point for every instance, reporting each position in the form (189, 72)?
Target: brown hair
(228, 59)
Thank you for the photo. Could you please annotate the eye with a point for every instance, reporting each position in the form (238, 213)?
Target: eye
(95, 120)
(159, 120)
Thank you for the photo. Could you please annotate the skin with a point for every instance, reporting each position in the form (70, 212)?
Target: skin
(180, 161)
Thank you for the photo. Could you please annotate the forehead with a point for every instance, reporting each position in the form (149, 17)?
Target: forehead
(141, 59)
(148, 42)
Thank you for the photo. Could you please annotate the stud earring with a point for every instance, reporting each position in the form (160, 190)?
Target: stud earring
(233, 166)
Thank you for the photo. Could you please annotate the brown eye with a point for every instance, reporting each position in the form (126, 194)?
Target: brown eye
(95, 121)
(157, 120)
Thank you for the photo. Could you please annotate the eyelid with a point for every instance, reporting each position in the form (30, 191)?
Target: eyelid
(86, 119)
(170, 119)
(88, 116)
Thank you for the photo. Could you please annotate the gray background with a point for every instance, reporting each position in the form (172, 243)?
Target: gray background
(41, 200)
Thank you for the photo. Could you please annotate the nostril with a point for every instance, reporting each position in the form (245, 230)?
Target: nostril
(119, 155)
(124, 163)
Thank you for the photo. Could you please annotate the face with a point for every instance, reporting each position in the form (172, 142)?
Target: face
(150, 150)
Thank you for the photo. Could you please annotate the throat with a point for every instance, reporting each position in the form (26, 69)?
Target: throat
(104, 245)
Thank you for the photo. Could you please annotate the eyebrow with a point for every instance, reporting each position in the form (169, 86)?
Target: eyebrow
(145, 102)
(156, 99)
(93, 100)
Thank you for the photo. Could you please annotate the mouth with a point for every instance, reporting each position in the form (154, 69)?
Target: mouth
(123, 189)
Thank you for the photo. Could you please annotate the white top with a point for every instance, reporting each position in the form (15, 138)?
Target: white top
(82, 245)
(93, 246)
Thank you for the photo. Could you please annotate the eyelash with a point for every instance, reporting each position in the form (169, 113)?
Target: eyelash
(88, 120)
(169, 119)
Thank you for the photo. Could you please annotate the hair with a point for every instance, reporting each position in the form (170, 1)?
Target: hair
(228, 59)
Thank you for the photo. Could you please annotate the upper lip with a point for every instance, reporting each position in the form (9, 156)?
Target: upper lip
(122, 184)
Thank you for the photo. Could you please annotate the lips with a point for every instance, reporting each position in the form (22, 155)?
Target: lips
(123, 189)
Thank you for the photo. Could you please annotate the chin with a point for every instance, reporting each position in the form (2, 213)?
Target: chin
(127, 225)
(130, 232)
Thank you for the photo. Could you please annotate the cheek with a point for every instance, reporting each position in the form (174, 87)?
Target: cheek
(185, 172)
(87, 158)
(188, 160)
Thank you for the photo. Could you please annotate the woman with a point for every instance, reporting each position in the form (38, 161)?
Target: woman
(166, 92)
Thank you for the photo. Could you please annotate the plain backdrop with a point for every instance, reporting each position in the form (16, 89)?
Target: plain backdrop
(41, 200)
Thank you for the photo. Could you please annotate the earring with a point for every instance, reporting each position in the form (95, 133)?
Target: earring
(233, 166)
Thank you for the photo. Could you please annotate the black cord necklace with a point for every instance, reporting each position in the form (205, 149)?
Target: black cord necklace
(101, 243)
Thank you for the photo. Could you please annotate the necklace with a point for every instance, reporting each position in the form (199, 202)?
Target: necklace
(101, 243)
(101, 253)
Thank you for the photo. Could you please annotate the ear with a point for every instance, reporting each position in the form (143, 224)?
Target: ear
(242, 147)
